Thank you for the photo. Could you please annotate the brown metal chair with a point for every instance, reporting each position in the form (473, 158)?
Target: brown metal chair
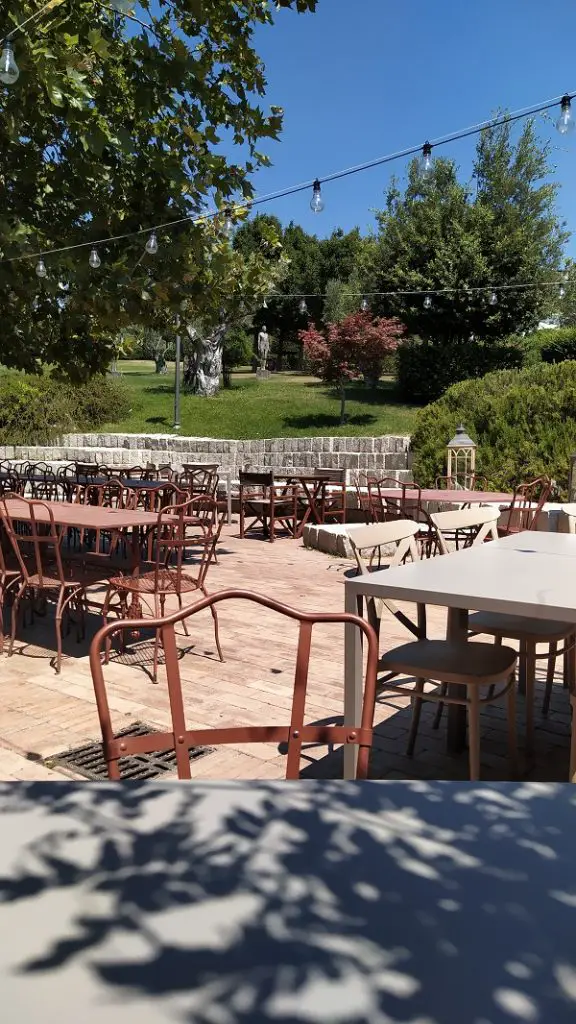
(36, 546)
(363, 496)
(268, 503)
(200, 478)
(293, 734)
(332, 495)
(101, 546)
(527, 504)
(170, 576)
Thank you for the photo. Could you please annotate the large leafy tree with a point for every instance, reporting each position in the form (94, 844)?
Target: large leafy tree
(112, 128)
(440, 233)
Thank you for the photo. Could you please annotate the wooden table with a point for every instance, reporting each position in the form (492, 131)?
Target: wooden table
(313, 486)
(254, 902)
(531, 574)
(436, 494)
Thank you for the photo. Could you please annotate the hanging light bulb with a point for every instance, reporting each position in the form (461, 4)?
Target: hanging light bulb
(317, 203)
(565, 123)
(427, 302)
(364, 305)
(41, 268)
(94, 259)
(561, 291)
(302, 306)
(228, 227)
(9, 70)
(264, 304)
(152, 244)
(493, 300)
(426, 160)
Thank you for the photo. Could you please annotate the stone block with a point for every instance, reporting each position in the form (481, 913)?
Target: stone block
(395, 461)
(366, 444)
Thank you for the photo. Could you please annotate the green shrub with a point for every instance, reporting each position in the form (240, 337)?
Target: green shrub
(523, 421)
(426, 370)
(558, 344)
(34, 409)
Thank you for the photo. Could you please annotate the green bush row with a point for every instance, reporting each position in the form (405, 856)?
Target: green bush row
(37, 409)
(523, 421)
(426, 370)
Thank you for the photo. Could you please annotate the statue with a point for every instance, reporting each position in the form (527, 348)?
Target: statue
(263, 347)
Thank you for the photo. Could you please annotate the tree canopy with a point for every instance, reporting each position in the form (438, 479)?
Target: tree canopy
(113, 128)
(440, 233)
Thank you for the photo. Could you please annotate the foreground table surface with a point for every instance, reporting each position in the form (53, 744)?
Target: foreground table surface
(313, 902)
(531, 573)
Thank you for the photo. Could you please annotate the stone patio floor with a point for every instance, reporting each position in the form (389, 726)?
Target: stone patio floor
(42, 713)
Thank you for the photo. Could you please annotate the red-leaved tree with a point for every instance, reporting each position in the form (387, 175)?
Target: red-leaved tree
(352, 349)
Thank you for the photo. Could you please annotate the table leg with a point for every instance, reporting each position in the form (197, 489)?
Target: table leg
(229, 496)
(135, 609)
(456, 734)
(352, 679)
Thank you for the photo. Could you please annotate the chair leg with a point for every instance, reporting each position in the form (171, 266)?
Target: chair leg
(58, 624)
(530, 681)
(474, 732)
(416, 711)
(216, 626)
(552, 655)
(512, 729)
(440, 708)
(15, 607)
(522, 668)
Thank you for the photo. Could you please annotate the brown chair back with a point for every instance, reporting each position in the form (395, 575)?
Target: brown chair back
(36, 543)
(293, 734)
(527, 504)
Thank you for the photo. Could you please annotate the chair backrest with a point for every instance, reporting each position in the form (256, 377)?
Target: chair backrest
(381, 508)
(367, 543)
(198, 478)
(112, 494)
(527, 504)
(36, 542)
(293, 734)
(262, 480)
(173, 542)
(157, 496)
(477, 524)
(450, 483)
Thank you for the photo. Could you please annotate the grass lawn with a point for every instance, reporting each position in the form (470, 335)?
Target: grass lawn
(288, 405)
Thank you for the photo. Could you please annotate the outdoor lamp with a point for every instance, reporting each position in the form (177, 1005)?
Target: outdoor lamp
(461, 460)
(572, 479)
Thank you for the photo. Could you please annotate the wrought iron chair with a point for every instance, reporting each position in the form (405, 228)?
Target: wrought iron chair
(528, 501)
(200, 478)
(36, 546)
(102, 546)
(169, 576)
(293, 734)
(332, 495)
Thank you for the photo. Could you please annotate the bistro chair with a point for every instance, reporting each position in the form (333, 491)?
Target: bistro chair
(164, 471)
(200, 478)
(169, 577)
(527, 504)
(267, 503)
(292, 734)
(363, 495)
(332, 495)
(36, 546)
(101, 546)
(464, 527)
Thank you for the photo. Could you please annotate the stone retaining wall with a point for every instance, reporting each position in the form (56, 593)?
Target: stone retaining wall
(388, 455)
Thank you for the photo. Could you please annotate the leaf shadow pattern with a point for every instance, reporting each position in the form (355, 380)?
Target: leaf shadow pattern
(224, 903)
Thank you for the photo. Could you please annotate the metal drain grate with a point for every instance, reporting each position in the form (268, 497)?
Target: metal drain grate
(89, 760)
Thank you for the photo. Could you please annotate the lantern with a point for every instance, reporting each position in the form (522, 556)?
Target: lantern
(461, 460)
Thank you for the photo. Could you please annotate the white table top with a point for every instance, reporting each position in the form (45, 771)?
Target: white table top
(316, 902)
(531, 573)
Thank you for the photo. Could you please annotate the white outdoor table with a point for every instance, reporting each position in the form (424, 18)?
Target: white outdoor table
(310, 902)
(530, 573)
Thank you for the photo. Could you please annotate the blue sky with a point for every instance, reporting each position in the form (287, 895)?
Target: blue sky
(362, 78)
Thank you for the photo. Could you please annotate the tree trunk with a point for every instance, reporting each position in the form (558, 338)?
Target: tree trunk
(342, 405)
(203, 365)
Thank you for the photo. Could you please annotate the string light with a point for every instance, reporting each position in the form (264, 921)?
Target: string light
(493, 300)
(9, 70)
(264, 304)
(561, 291)
(303, 306)
(94, 259)
(152, 244)
(565, 123)
(364, 305)
(228, 227)
(426, 160)
(41, 268)
(317, 202)
(295, 189)
(427, 302)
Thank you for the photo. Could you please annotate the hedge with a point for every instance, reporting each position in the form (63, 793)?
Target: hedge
(523, 421)
(35, 409)
(426, 369)
(558, 344)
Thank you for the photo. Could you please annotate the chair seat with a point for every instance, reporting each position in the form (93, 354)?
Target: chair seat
(448, 662)
(518, 627)
(266, 503)
(166, 581)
